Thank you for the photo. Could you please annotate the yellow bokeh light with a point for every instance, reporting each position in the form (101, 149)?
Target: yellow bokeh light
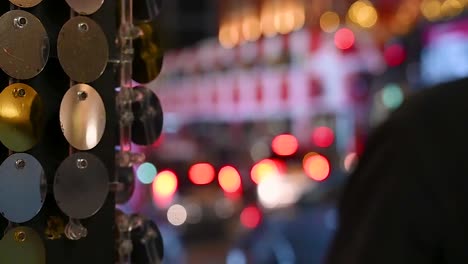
(284, 21)
(299, 16)
(229, 35)
(329, 21)
(431, 9)
(355, 9)
(451, 8)
(267, 18)
(224, 37)
(251, 29)
(367, 16)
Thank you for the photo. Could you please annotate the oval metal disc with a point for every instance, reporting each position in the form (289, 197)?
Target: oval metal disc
(148, 59)
(149, 233)
(82, 49)
(82, 117)
(24, 48)
(22, 187)
(22, 245)
(126, 178)
(149, 119)
(21, 117)
(85, 7)
(25, 3)
(81, 185)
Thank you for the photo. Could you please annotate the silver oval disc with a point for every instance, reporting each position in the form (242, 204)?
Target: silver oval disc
(85, 7)
(81, 185)
(23, 187)
(24, 49)
(82, 49)
(82, 117)
(22, 245)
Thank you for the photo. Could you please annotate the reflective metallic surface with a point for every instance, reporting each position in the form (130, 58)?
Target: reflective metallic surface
(85, 7)
(21, 117)
(22, 245)
(82, 49)
(148, 58)
(81, 191)
(82, 117)
(22, 187)
(126, 179)
(26, 3)
(148, 246)
(148, 123)
(24, 48)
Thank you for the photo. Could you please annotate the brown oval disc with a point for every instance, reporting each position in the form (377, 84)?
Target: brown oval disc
(85, 7)
(24, 48)
(82, 117)
(25, 3)
(82, 49)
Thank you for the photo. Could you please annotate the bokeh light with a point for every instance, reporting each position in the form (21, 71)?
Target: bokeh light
(329, 21)
(431, 9)
(350, 161)
(267, 20)
(263, 170)
(177, 215)
(251, 217)
(392, 96)
(165, 184)
(285, 145)
(344, 39)
(251, 29)
(229, 179)
(146, 173)
(201, 173)
(323, 137)
(395, 55)
(316, 166)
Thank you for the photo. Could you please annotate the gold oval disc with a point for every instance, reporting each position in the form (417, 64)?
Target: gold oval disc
(21, 117)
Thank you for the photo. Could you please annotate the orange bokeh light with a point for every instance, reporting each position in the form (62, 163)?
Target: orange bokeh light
(316, 167)
(229, 179)
(285, 145)
(201, 173)
(264, 169)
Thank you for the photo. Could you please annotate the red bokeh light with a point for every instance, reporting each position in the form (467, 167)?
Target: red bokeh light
(323, 137)
(165, 184)
(344, 39)
(395, 55)
(316, 167)
(202, 173)
(229, 179)
(264, 169)
(251, 217)
(285, 145)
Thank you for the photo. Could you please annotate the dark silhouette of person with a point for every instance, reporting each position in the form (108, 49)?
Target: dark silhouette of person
(407, 200)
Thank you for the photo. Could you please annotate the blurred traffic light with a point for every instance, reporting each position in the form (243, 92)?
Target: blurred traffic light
(165, 185)
(285, 145)
(323, 136)
(251, 216)
(201, 173)
(316, 166)
(264, 169)
(229, 179)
